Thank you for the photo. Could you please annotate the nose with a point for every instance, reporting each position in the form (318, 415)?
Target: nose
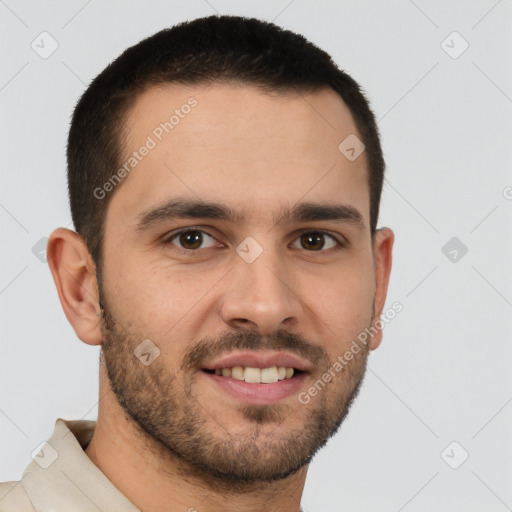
(261, 296)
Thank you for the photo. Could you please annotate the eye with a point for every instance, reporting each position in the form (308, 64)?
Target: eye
(191, 240)
(315, 241)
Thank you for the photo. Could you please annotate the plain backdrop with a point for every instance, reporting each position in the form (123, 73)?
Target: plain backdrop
(431, 428)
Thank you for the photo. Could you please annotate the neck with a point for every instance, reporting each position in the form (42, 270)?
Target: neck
(156, 481)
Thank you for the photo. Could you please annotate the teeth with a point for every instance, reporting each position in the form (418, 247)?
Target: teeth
(269, 375)
(237, 372)
(252, 375)
(256, 375)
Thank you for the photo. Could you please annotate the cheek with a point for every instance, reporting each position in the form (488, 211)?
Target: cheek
(136, 292)
(346, 310)
(154, 296)
(345, 304)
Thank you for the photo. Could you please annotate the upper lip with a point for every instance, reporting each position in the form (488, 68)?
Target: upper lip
(259, 359)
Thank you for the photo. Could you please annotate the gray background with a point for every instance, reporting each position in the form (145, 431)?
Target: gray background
(441, 373)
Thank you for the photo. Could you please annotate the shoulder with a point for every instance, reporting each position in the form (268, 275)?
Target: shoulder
(13, 498)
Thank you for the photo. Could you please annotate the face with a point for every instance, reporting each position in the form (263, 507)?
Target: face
(238, 247)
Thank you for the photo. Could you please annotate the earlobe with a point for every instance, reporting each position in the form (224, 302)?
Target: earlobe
(74, 274)
(382, 251)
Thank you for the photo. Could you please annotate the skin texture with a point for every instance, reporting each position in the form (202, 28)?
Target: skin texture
(165, 436)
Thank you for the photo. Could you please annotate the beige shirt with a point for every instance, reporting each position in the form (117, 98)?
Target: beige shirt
(62, 478)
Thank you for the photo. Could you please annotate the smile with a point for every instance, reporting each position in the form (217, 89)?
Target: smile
(256, 375)
(257, 393)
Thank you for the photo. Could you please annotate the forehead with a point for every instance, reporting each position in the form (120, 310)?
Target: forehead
(225, 115)
(232, 142)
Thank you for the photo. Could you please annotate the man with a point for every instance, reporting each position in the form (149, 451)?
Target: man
(224, 179)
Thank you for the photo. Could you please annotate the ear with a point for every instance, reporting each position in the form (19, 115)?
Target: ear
(382, 255)
(74, 273)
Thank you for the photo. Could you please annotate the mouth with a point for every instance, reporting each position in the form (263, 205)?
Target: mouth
(258, 378)
(254, 375)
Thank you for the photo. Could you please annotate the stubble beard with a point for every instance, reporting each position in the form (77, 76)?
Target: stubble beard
(182, 432)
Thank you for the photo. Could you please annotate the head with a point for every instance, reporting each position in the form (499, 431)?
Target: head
(219, 215)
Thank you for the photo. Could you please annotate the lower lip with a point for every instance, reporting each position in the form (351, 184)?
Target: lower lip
(258, 394)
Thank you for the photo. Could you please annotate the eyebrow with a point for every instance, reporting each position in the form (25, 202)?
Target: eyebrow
(197, 209)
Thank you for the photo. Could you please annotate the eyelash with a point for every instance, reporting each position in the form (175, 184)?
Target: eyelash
(168, 239)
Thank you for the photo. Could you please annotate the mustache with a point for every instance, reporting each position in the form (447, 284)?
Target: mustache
(280, 339)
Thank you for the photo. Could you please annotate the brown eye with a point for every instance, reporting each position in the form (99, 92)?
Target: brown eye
(192, 239)
(316, 241)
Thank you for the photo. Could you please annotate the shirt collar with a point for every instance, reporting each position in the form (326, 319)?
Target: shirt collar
(62, 476)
